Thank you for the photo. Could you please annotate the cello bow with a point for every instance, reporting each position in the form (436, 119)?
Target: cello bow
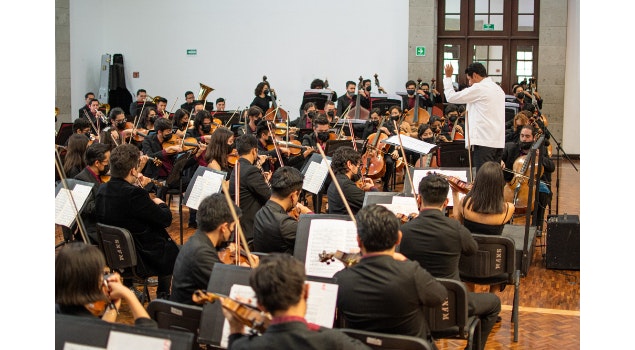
(403, 154)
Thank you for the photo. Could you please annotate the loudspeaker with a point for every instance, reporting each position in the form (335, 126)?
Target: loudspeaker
(563, 242)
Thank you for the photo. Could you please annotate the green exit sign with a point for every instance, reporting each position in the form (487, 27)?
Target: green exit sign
(191, 52)
(420, 51)
(488, 26)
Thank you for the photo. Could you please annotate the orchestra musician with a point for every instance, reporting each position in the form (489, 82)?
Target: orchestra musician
(135, 106)
(96, 117)
(153, 147)
(321, 84)
(331, 112)
(409, 99)
(202, 128)
(348, 99)
(74, 160)
(197, 257)
(162, 104)
(431, 97)
(181, 122)
(254, 189)
(254, 115)
(220, 104)
(391, 153)
(116, 133)
(306, 119)
(123, 203)
(86, 108)
(274, 226)
(267, 148)
(189, 100)
(218, 149)
(263, 98)
(82, 126)
(347, 166)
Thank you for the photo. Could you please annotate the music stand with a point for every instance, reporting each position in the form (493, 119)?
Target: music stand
(227, 117)
(452, 154)
(317, 96)
(65, 131)
(210, 183)
(302, 232)
(379, 197)
(302, 132)
(333, 145)
(384, 104)
(408, 189)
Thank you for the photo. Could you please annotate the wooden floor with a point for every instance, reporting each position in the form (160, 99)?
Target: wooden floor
(549, 299)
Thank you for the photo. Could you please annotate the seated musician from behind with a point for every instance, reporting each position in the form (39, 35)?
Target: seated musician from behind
(280, 285)
(347, 166)
(196, 259)
(483, 209)
(274, 227)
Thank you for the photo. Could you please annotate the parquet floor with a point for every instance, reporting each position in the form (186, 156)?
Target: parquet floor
(549, 299)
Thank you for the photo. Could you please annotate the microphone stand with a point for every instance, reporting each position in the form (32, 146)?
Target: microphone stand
(558, 149)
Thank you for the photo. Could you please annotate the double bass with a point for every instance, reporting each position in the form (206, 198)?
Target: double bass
(373, 162)
(360, 113)
(274, 113)
(417, 115)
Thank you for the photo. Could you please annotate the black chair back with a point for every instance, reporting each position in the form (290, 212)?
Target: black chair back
(388, 341)
(176, 316)
(118, 246)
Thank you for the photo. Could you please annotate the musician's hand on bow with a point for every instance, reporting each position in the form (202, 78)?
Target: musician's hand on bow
(394, 154)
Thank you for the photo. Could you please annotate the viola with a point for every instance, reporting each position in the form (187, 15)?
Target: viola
(232, 157)
(248, 315)
(455, 182)
(403, 218)
(188, 144)
(228, 256)
(348, 259)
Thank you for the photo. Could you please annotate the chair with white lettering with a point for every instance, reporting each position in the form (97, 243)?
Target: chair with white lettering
(386, 341)
(494, 264)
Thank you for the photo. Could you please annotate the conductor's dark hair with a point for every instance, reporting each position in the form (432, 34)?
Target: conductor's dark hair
(476, 67)
(278, 281)
(214, 211)
(286, 180)
(341, 156)
(377, 228)
(245, 143)
(433, 190)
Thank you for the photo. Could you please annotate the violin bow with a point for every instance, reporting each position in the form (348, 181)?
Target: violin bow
(173, 104)
(337, 185)
(92, 124)
(242, 239)
(231, 116)
(275, 143)
(469, 151)
(60, 171)
(405, 159)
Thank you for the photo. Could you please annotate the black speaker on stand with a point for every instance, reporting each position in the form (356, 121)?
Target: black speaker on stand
(563, 242)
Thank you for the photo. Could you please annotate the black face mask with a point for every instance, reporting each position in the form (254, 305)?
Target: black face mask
(167, 137)
(152, 119)
(330, 113)
(410, 92)
(520, 95)
(323, 136)
(184, 124)
(267, 93)
(368, 88)
(428, 139)
(105, 171)
(312, 114)
(525, 145)
(357, 176)
(121, 125)
(395, 118)
(453, 118)
(206, 128)
(374, 122)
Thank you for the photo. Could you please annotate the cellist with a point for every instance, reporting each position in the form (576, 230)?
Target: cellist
(390, 153)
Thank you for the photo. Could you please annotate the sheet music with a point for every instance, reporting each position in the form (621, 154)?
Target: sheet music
(320, 307)
(75, 346)
(314, 177)
(329, 235)
(421, 173)
(403, 205)
(204, 186)
(65, 213)
(244, 294)
(121, 340)
(410, 143)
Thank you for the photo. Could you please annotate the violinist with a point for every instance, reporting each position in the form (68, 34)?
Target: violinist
(74, 160)
(267, 148)
(86, 292)
(390, 153)
(218, 149)
(181, 122)
(254, 189)
(152, 146)
(297, 156)
(436, 124)
(97, 167)
(514, 150)
(280, 285)
(276, 223)
(135, 106)
(123, 203)
(196, 259)
(202, 128)
(347, 166)
(263, 98)
(82, 126)
(254, 116)
(117, 132)
(306, 120)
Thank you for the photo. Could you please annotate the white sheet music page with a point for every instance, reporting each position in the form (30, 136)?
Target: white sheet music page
(410, 143)
(64, 210)
(403, 205)
(243, 294)
(120, 340)
(204, 186)
(329, 235)
(420, 174)
(314, 177)
(320, 307)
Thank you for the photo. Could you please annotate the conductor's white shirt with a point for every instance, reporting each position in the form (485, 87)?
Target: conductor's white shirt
(485, 111)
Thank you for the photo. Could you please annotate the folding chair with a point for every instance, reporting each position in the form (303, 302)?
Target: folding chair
(177, 316)
(388, 341)
(493, 264)
(121, 255)
(450, 320)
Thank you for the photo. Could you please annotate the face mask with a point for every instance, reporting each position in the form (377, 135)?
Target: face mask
(375, 122)
(312, 114)
(410, 92)
(453, 118)
(121, 125)
(395, 117)
(429, 139)
(368, 88)
(106, 170)
(323, 136)
(330, 113)
(525, 145)
(357, 176)
(184, 124)
(167, 137)
(520, 95)
(267, 93)
(152, 119)
(206, 128)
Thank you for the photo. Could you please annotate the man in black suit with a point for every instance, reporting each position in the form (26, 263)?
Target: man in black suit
(385, 292)
(254, 190)
(121, 202)
(86, 108)
(279, 284)
(437, 242)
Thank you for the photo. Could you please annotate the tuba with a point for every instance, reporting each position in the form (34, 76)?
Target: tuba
(204, 91)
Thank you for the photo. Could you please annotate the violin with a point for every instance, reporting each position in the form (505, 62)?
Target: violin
(232, 157)
(403, 218)
(228, 256)
(348, 259)
(248, 315)
(274, 113)
(455, 182)
(189, 143)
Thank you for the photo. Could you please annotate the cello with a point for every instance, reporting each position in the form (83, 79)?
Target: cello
(274, 113)
(373, 163)
(517, 189)
(360, 112)
(417, 115)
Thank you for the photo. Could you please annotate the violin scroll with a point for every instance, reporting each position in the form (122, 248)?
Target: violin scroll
(248, 315)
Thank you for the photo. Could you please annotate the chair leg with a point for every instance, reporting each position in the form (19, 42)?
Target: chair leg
(146, 290)
(516, 302)
(181, 218)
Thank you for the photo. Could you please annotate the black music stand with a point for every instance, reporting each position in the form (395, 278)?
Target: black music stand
(228, 118)
(317, 96)
(65, 131)
(379, 197)
(452, 154)
(333, 145)
(385, 104)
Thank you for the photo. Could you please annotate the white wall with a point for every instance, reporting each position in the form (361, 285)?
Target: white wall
(571, 120)
(238, 42)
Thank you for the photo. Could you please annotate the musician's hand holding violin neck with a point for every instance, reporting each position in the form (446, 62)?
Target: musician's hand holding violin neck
(174, 149)
(143, 159)
(303, 208)
(262, 158)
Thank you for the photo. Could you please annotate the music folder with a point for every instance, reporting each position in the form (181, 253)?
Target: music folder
(205, 182)
(315, 173)
(65, 212)
(228, 118)
(419, 173)
(384, 102)
(317, 96)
